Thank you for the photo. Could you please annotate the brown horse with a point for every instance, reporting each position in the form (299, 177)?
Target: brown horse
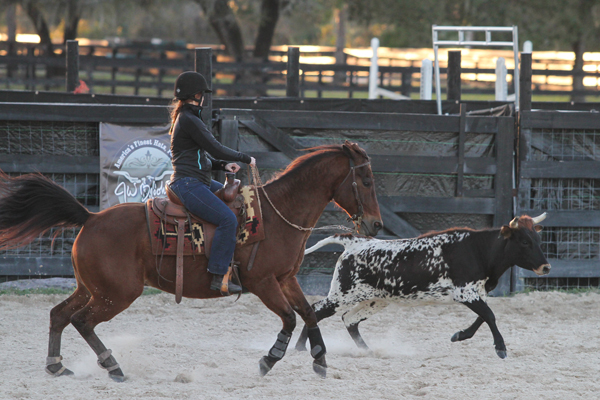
(112, 257)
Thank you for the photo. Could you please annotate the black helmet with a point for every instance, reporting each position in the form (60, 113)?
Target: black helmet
(188, 84)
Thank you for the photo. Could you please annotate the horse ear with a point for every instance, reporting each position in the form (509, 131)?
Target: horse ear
(505, 231)
(347, 147)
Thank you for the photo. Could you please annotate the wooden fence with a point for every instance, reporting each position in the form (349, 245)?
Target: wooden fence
(150, 71)
(560, 174)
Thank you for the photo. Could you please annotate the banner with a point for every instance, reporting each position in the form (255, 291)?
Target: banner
(135, 163)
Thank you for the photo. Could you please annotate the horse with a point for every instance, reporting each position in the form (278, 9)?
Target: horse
(112, 255)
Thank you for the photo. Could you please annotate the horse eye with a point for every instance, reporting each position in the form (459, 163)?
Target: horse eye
(525, 243)
(366, 182)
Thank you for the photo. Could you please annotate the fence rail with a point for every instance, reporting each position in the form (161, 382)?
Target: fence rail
(151, 70)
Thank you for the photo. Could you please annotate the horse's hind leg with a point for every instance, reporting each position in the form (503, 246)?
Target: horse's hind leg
(101, 309)
(270, 293)
(295, 296)
(60, 318)
(360, 313)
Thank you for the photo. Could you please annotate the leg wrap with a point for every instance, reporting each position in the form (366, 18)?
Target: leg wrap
(278, 350)
(52, 361)
(317, 346)
(103, 357)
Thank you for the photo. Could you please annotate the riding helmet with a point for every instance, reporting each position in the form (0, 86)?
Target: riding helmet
(188, 84)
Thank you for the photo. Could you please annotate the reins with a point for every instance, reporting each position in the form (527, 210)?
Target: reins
(356, 218)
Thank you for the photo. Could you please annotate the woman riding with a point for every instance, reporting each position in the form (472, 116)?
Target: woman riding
(195, 153)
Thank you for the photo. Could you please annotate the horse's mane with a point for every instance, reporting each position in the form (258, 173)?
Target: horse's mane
(315, 154)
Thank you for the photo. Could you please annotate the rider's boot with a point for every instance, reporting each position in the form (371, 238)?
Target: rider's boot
(223, 284)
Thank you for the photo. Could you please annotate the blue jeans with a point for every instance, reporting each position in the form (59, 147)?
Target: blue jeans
(200, 200)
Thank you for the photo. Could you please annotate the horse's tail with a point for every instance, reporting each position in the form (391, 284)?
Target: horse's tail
(31, 204)
(343, 239)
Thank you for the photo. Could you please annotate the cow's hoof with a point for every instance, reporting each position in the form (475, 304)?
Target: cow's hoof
(265, 365)
(501, 353)
(457, 337)
(117, 375)
(320, 367)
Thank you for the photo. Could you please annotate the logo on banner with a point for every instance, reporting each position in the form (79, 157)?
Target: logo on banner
(143, 168)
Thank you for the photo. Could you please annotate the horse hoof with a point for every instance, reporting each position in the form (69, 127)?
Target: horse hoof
(501, 353)
(265, 365)
(320, 367)
(58, 370)
(117, 375)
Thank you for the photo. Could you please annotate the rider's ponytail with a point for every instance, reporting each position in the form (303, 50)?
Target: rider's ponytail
(175, 106)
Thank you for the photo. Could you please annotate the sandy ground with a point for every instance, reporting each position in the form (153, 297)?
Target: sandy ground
(210, 350)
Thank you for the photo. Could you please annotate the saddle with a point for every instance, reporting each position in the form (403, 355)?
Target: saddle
(174, 231)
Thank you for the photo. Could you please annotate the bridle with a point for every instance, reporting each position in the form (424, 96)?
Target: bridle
(356, 218)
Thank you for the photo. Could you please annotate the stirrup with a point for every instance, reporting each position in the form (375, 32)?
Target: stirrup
(224, 288)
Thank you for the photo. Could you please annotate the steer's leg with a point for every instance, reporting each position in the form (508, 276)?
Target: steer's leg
(467, 333)
(480, 308)
(323, 309)
(360, 313)
(293, 293)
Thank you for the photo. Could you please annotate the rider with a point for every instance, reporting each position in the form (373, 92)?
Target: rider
(195, 152)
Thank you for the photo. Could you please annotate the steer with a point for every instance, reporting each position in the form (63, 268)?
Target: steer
(461, 262)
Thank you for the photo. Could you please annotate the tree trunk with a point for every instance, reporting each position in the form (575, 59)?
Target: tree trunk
(269, 15)
(72, 21)
(340, 16)
(578, 49)
(40, 25)
(11, 25)
(41, 28)
(223, 21)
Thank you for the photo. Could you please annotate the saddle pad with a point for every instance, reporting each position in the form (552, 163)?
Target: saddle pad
(163, 236)
(252, 230)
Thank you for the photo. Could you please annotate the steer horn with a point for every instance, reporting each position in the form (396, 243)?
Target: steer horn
(539, 218)
(514, 223)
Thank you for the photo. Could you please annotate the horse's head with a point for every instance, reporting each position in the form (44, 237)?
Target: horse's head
(356, 193)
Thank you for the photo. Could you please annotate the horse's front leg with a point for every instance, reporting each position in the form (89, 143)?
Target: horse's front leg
(295, 296)
(270, 293)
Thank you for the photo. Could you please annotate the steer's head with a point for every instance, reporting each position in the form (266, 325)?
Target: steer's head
(523, 245)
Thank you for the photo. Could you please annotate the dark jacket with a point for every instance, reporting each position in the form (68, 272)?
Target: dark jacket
(195, 151)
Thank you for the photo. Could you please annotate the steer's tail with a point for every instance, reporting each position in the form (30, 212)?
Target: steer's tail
(343, 239)
(31, 204)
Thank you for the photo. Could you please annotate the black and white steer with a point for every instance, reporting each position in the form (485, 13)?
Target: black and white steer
(462, 263)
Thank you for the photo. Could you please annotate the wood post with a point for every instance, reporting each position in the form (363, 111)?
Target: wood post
(72, 65)
(461, 151)
(525, 95)
(292, 88)
(454, 75)
(203, 65)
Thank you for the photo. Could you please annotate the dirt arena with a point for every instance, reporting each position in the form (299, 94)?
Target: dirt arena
(210, 350)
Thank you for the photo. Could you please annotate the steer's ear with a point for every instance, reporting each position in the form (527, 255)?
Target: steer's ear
(538, 228)
(506, 231)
